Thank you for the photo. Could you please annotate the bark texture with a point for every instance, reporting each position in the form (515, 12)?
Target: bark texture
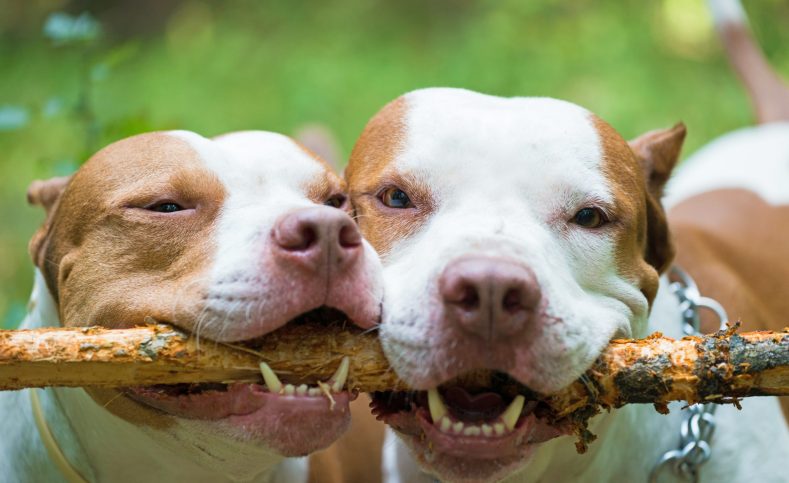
(718, 368)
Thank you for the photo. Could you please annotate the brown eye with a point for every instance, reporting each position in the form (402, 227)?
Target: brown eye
(336, 201)
(396, 198)
(589, 218)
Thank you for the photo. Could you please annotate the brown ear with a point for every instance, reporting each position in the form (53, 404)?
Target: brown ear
(46, 194)
(658, 152)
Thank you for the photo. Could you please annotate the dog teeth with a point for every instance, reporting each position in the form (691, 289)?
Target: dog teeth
(335, 384)
(437, 408)
(447, 424)
(337, 381)
(512, 413)
(272, 381)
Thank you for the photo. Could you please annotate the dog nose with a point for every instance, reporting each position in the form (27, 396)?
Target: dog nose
(317, 237)
(489, 297)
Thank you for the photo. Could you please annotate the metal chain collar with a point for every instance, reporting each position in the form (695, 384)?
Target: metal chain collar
(698, 424)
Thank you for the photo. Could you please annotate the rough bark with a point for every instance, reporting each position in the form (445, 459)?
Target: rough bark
(719, 367)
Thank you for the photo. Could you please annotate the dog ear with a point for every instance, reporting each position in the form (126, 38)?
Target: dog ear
(321, 141)
(46, 194)
(658, 152)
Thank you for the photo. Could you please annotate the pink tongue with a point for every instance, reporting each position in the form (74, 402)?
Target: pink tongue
(477, 407)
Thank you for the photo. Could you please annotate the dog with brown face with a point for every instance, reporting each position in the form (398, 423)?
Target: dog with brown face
(228, 239)
(518, 237)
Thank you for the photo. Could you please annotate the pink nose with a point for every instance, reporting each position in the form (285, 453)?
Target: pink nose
(317, 238)
(492, 298)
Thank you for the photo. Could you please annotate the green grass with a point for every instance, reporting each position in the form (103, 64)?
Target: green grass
(215, 67)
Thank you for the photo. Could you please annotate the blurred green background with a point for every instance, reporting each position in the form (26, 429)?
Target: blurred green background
(77, 75)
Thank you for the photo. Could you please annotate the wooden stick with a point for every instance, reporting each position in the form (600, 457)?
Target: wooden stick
(655, 370)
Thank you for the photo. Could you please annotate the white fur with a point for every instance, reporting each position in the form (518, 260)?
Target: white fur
(265, 175)
(753, 158)
(499, 169)
(727, 12)
(506, 176)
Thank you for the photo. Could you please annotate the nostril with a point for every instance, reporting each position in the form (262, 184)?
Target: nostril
(308, 235)
(349, 236)
(469, 298)
(295, 235)
(513, 301)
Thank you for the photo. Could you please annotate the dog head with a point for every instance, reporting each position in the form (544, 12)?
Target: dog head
(518, 237)
(228, 239)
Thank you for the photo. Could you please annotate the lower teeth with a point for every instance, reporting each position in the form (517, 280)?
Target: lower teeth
(335, 384)
(505, 424)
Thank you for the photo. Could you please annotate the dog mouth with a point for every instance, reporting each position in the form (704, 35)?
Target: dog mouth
(294, 419)
(485, 417)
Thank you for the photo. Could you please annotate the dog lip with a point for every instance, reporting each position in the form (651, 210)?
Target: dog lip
(238, 400)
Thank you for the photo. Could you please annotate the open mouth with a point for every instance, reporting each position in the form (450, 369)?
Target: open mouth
(477, 424)
(295, 419)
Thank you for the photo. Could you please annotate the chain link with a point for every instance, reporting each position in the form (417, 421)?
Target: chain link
(698, 425)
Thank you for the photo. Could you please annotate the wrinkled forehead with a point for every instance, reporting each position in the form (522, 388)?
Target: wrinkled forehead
(258, 161)
(474, 136)
(448, 138)
(238, 161)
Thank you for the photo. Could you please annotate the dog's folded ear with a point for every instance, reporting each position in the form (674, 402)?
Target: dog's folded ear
(320, 140)
(44, 193)
(658, 152)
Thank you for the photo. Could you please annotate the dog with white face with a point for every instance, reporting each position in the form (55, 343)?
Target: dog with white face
(518, 237)
(228, 239)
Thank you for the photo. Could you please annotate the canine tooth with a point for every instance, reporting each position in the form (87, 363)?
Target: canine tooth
(498, 428)
(457, 427)
(314, 391)
(272, 381)
(445, 424)
(340, 375)
(472, 431)
(436, 405)
(512, 413)
(487, 429)
(301, 390)
(290, 389)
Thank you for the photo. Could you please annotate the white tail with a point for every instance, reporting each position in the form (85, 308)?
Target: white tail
(768, 93)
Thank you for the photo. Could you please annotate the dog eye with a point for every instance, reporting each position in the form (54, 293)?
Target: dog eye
(396, 198)
(589, 218)
(336, 201)
(166, 207)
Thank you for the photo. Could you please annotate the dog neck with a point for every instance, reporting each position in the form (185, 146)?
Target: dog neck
(104, 447)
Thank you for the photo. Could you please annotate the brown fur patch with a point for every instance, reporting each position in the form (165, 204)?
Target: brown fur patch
(108, 261)
(356, 456)
(736, 246)
(637, 173)
(100, 231)
(370, 172)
